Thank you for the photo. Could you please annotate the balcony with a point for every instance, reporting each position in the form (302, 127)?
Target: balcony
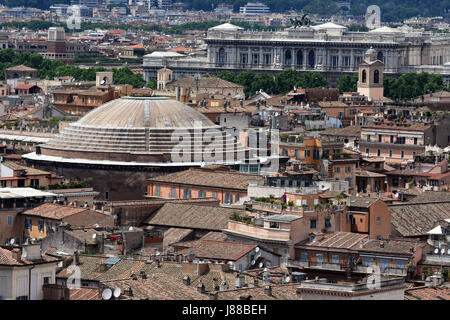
(315, 265)
(391, 271)
(258, 232)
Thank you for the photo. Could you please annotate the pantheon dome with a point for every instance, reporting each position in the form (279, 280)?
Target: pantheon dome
(140, 130)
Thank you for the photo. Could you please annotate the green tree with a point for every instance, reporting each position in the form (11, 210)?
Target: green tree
(313, 79)
(227, 75)
(246, 78)
(265, 82)
(348, 83)
(286, 80)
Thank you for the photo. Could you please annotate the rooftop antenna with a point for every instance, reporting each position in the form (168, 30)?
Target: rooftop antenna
(106, 294)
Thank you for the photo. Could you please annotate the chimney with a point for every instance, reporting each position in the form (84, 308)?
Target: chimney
(201, 287)
(268, 290)
(76, 258)
(17, 254)
(187, 280)
(213, 296)
(143, 274)
(158, 264)
(240, 280)
(224, 286)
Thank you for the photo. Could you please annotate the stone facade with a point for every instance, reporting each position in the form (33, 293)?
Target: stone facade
(331, 51)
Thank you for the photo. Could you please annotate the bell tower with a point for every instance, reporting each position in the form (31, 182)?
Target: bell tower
(370, 76)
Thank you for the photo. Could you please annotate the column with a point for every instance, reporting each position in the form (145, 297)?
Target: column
(352, 58)
(305, 58)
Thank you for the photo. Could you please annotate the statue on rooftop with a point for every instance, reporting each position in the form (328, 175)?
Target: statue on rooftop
(304, 21)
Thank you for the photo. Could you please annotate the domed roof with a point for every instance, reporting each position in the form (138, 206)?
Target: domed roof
(371, 51)
(141, 129)
(145, 112)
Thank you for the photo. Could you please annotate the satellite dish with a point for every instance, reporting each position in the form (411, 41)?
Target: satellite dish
(103, 81)
(448, 251)
(253, 262)
(288, 279)
(261, 265)
(94, 236)
(442, 250)
(106, 294)
(12, 241)
(436, 251)
(117, 292)
(257, 249)
(130, 229)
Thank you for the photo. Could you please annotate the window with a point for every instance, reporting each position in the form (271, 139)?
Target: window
(415, 140)
(215, 195)
(316, 154)
(41, 225)
(335, 258)
(303, 256)
(402, 154)
(237, 197)
(319, 259)
(244, 58)
(34, 182)
(201, 194)
(348, 169)
(255, 58)
(312, 223)
(186, 193)
(376, 76)
(400, 264)
(296, 154)
(274, 225)
(327, 223)
(380, 137)
(27, 224)
(46, 280)
(378, 219)
(267, 59)
(157, 191)
(106, 195)
(414, 154)
(367, 151)
(364, 76)
(228, 198)
(284, 152)
(367, 261)
(49, 226)
(57, 224)
(9, 220)
(222, 56)
(378, 152)
(390, 153)
(307, 153)
(337, 169)
(383, 265)
(173, 192)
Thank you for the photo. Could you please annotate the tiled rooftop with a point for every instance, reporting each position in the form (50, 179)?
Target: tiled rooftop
(209, 178)
(53, 211)
(217, 250)
(339, 239)
(416, 219)
(192, 216)
(428, 293)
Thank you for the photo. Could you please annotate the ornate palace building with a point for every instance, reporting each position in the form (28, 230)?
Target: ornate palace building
(327, 48)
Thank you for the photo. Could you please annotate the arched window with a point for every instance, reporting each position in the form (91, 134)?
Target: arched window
(299, 57)
(364, 76)
(380, 56)
(376, 76)
(222, 55)
(311, 58)
(288, 57)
